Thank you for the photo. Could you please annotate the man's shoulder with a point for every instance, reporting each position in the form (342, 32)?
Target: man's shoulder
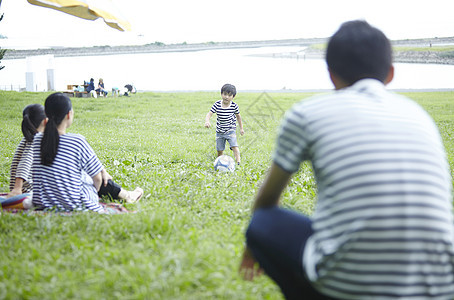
(315, 101)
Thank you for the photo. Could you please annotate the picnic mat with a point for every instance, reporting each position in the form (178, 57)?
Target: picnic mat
(23, 203)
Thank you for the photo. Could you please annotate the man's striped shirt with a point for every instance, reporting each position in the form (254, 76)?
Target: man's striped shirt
(64, 185)
(21, 166)
(383, 225)
(226, 117)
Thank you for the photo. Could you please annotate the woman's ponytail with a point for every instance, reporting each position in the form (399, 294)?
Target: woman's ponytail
(49, 143)
(32, 116)
(57, 105)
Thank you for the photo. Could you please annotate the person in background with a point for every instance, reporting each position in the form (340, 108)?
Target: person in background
(383, 224)
(67, 175)
(101, 90)
(129, 89)
(91, 88)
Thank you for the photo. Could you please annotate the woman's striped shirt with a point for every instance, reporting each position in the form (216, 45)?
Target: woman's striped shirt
(383, 225)
(62, 185)
(21, 166)
(226, 117)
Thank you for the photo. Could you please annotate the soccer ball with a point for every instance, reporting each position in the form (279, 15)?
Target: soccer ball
(224, 163)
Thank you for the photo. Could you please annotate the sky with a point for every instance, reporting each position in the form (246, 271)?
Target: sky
(178, 21)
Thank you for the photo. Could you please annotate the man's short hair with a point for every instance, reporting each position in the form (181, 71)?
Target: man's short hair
(229, 89)
(358, 50)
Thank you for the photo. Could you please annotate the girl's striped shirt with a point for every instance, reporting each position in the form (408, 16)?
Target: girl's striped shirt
(64, 185)
(21, 166)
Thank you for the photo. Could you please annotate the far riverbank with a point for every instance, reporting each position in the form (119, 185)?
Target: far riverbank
(406, 51)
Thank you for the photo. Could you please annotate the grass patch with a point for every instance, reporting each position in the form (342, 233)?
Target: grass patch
(319, 47)
(186, 239)
(434, 48)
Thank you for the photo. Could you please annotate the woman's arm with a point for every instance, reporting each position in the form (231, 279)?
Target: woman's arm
(23, 169)
(105, 177)
(17, 190)
(97, 181)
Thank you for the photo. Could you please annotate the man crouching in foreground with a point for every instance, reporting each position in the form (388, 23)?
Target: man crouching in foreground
(383, 225)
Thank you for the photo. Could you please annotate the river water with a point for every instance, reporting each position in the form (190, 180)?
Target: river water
(206, 70)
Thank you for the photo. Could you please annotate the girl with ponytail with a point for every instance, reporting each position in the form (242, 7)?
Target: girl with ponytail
(67, 174)
(32, 122)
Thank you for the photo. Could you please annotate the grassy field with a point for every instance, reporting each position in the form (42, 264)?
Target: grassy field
(186, 238)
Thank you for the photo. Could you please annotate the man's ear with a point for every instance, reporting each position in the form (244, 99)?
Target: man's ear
(45, 121)
(390, 76)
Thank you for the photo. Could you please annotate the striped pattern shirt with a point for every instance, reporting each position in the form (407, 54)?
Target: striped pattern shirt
(21, 166)
(383, 225)
(226, 117)
(66, 185)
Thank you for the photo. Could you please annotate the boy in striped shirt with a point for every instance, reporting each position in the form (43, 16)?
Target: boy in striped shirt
(228, 113)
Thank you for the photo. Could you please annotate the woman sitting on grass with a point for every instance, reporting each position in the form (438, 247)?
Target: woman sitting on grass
(67, 174)
(21, 178)
(101, 90)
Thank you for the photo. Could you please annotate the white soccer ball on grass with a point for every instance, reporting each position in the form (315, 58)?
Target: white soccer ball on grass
(224, 163)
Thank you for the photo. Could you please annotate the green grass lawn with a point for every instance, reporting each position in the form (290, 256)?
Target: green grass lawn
(186, 239)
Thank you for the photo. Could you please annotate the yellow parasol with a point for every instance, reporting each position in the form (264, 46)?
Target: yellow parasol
(89, 10)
